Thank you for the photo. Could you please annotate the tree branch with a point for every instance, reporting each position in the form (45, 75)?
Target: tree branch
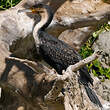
(83, 62)
(60, 80)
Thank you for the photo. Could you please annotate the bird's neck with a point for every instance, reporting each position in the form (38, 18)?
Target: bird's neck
(46, 19)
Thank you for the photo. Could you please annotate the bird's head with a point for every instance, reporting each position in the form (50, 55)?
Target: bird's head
(45, 12)
(36, 9)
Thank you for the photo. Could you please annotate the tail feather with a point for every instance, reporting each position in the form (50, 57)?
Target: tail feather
(92, 96)
(86, 79)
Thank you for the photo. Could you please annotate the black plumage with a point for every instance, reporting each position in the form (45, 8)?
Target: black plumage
(60, 55)
(57, 53)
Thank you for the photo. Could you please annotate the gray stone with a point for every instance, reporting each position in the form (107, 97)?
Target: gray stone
(103, 43)
(103, 89)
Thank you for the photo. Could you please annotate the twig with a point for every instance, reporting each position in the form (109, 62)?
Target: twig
(32, 64)
(83, 62)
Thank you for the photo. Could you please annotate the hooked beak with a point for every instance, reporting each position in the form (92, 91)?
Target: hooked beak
(27, 11)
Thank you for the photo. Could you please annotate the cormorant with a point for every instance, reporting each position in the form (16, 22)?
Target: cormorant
(57, 53)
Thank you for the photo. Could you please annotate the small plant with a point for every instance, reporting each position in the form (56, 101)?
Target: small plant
(5, 4)
(86, 51)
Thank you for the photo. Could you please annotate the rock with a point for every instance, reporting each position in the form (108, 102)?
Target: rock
(77, 37)
(103, 43)
(103, 89)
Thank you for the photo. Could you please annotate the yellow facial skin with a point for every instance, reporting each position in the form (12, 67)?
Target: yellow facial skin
(32, 10)
(37, 10)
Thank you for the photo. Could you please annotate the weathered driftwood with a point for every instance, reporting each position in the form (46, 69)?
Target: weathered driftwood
(46, 87)
(25, 87)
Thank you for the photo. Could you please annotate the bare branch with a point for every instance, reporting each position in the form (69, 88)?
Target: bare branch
(83, 62)
(32, 64)
(60, 81)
